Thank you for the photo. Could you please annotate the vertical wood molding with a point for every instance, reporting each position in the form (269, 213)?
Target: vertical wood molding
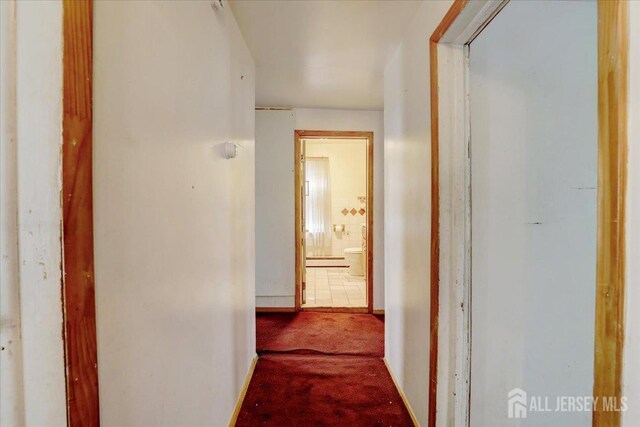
(434, 279)
(243, 392)
(370, 241)
(77, 203)
(297, 152)
(613, 42)
(435, 234)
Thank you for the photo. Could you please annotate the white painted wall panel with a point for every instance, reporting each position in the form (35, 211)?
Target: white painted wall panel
(407, 177)
(174, 220)
(533, 101)
(11, 390)
(275, 213)
(39, 121)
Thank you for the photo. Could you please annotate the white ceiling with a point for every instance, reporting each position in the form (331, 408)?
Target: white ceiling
(322, 53)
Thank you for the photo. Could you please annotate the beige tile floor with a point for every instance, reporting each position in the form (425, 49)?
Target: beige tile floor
(335, 287)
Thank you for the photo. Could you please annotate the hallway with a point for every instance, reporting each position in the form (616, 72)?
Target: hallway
(321, 369)
(161, 265)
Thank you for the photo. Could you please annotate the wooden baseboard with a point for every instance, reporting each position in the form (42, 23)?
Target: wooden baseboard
(275, 309)
(327, 266)
(325, 309)
(404, 398)
(324, 257)
(243, 392)
(356, 310)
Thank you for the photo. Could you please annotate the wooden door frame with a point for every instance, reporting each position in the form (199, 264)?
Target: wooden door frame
(78, 288)
(450, 344)
(299, 135)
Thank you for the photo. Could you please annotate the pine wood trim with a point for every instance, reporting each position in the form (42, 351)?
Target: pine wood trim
(434, 291)
(435, 233)
(451, 15)
(613, 45)
(275, 310)
(352, 310)
(401, 393)
(370, 214)
(81, 354)
(297, 152)
(243, 392)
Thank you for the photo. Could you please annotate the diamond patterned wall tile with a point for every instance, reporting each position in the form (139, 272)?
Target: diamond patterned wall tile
(344, 211)
(362, 211)
(353, 211)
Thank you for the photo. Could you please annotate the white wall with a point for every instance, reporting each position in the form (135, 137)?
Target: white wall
(275, 213)
(11, 391)
(39, 134)
(631, 370)
(533, 105)
(174, 220)
(407, 178)
(279, 149)
(348, 178)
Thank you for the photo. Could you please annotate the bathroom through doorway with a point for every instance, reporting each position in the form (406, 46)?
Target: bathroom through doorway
(334, 220)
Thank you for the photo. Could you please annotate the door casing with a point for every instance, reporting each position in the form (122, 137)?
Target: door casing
(299, 135)
(450, 281)
(78, 287)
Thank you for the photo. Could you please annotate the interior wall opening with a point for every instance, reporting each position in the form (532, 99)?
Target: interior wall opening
(534, 151)
(335, 222)
(334, 219)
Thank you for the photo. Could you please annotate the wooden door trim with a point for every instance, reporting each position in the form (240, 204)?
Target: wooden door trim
(450, 288)
(81, 353)
(299, 135)
(613, 45)
(450, 281)
(297, 152)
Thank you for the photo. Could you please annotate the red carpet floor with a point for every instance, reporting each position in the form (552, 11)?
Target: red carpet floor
(322, 333)
(321, 369)
(306, 390)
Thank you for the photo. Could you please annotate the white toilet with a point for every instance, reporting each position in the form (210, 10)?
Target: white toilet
(353, 257)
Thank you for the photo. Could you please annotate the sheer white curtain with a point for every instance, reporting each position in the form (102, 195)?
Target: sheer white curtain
(318, 206)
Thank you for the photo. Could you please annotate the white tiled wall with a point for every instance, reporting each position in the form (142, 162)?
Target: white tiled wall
(352, 235)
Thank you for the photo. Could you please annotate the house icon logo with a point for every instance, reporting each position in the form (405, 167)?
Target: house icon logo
(517, 403)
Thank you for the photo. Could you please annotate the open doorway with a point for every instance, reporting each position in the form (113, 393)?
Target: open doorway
(526, 182)
(334, 220)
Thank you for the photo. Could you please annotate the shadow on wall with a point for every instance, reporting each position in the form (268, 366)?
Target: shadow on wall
(407, 207)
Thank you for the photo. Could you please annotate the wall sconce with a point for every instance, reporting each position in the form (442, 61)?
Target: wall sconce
(230, 150)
